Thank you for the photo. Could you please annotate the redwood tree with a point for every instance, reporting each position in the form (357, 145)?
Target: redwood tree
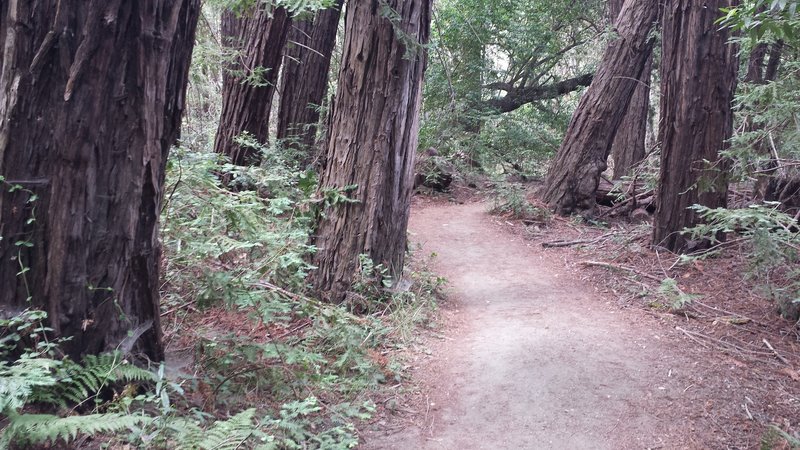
(304, 81)
(629, 143)
(573, 178)
(372, 141)
(256, 38)
(698, 78)
(92, 97)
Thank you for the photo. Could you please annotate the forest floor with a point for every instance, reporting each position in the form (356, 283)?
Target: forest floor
(534, 350)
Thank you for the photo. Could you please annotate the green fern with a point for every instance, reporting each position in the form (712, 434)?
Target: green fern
(77, 383)
(224, 434)
(20, 380)
(40, 428)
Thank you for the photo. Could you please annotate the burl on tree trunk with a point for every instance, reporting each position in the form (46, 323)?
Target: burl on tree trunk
(572, 179)
(372, 141)
(256, 38)
(304, 81)
(92, 97)
(698, 79)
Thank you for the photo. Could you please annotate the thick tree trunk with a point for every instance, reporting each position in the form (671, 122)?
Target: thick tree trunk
(304, 82)
(572, 180)
(92, 97)
(628, 148)
(256, 37)
(698, 79)
(372, 141)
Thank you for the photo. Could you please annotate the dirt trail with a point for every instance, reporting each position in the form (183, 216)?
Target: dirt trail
(538, 360)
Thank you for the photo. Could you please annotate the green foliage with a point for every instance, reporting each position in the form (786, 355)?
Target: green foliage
(512, 199)
(41, 428)
(768, 113)
(479, 48)
(35, 378)
(773, 251)
(676, 297)
(758, 18)
(223, 244)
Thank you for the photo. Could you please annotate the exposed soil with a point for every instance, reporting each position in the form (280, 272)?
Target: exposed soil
(535, 351)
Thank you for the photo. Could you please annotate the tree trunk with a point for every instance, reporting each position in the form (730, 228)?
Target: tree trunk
(372, 141)
(572, 180)
(755, 65)
(628, 148)
(256, 37)
(92, 97)
(304, 82)
(775, 53)
(698, 79)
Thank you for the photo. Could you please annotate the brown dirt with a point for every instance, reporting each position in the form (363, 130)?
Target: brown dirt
(537, 352)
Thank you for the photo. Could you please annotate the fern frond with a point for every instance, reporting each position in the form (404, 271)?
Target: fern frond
(39, 428)
(19, 381)
(78, 382)
(225, 434)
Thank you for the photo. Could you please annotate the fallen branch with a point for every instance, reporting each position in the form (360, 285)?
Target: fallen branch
(189, 303)
(279, 290)
(769, 346)
(560, 243)
(730, 313)
(621, 268)
(720, 344)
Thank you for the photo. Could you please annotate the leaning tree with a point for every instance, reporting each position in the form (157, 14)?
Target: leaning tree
(698, 79)
(573, 178)
(91, 101)
(372, 142)
(255, 38)
(628, 148)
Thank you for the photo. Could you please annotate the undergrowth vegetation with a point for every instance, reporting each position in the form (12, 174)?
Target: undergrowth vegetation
(252, 360)
(287, 371)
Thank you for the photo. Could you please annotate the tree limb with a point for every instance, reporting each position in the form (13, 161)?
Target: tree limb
(517, 97)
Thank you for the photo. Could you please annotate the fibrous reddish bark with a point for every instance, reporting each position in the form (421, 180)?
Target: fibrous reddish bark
(698, 79)
(305, 78)
(372, 141)
(628, 148)
(92, 97)
(572, 180)
(256, 37)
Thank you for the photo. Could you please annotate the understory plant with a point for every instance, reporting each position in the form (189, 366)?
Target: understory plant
(771, 243)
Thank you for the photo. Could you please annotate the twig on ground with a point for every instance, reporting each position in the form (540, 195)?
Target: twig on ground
(621, 268)
(560, 243)
(699, 337)
(279, 290)
(715, 308)
(170, 311)
(769, 346)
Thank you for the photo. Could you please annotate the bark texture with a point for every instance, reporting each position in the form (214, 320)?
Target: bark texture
(698, 80)
(372, 141)
(573, 178)
(92, 97)
(304, 82)
(629, 143)
(256, 38)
